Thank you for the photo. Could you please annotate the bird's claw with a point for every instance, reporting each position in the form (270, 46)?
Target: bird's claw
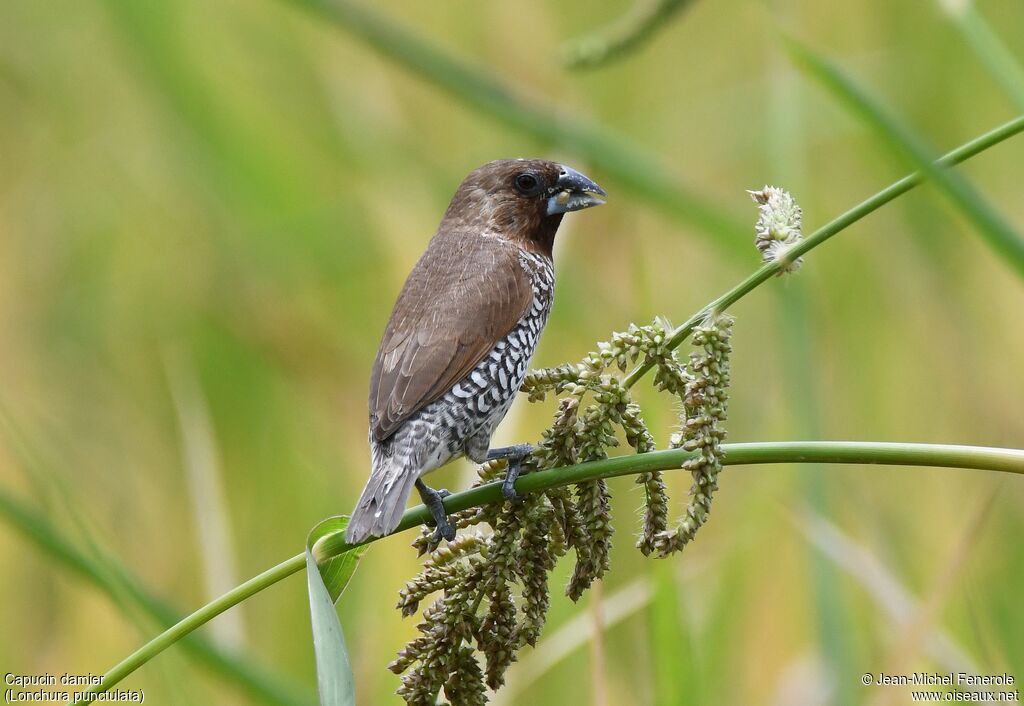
(514, 455)
(445, 532)
(434, 500)
(508, 486)
(443, 529)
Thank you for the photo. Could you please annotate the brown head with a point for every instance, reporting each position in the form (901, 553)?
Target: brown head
(520, 199)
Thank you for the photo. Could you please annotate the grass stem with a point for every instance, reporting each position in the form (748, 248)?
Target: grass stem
(845, 452)
(868, 206)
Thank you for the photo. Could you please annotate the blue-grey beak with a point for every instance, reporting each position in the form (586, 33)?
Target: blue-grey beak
(573, 192)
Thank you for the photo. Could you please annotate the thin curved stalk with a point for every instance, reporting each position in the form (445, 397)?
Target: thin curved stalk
(204, 615)
(662, 460)
(903, 143)
(850, 452)
(120, 586)
(624, 35)
(960, 154)
(630, 165)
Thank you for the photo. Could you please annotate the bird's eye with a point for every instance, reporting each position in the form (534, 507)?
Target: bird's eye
(527, 184)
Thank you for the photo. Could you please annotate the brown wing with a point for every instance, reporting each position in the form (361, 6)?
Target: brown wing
(463, 296)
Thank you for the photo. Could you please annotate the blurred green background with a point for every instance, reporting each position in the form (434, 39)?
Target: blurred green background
(207, 209)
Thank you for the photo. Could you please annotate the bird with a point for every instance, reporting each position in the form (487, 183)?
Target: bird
(461, 335)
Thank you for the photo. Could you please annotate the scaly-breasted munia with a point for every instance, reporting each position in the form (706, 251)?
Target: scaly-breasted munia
(462, 333)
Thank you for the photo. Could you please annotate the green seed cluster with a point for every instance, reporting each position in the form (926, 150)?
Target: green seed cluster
(427, 542)
(440, 570)
(497, 636)
(594, 502)
(466, 686)
(495, 599)
(494, 589)
(436, 659)
(537, 557)
(655, 510)
(705, 405)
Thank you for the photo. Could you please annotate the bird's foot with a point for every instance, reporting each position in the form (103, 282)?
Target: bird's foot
(515, 455)
(434, 500)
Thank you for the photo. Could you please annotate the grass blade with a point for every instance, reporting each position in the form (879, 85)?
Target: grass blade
(576, 633)
(326, 582)
(998, 234)
(914, 633)
(991, 50)
(206, 491)
(833, 619)
(633, 169)
(99, 567)
(598, 658)
(115, 581)
(624, 35)
(880, 582)
(676, 676)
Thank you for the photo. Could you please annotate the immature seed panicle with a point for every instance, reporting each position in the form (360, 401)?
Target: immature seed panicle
(494, 588)
(536, 558)
(594, 502)
(655, 510)
(439, 571)
(705, 405)
(778, 226)
(433, 660)
(466, 685)
(497, 637)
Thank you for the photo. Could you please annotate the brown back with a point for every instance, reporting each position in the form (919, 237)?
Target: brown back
(465, 294)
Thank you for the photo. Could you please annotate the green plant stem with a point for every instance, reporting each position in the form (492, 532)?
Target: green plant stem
(628, 464)
(624, 35)
(960, 154)
(204, 615)
(118, 584)
(851, 452)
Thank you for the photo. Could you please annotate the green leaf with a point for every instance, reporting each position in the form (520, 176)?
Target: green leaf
(326, 582)
(337, 570)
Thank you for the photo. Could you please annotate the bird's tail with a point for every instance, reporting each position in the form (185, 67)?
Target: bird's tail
(383, 501)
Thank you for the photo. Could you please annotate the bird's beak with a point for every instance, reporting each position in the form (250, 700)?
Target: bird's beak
(573, 192)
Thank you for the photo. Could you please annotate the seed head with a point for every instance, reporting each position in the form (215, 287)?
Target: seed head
(778, 226)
